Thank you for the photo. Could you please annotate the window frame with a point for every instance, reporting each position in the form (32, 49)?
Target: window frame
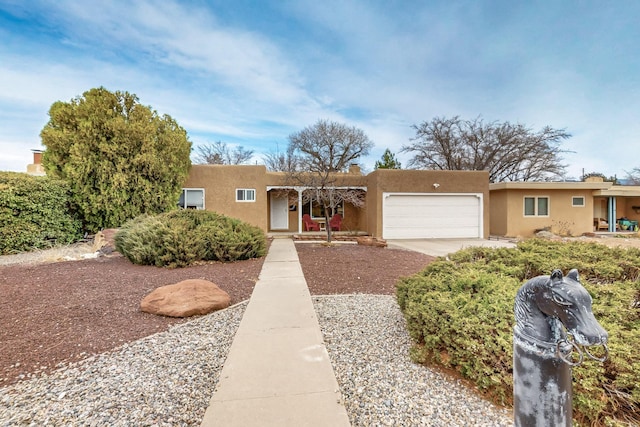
(184, 198)
(536, 206)
(245, 192)
(573, 201)
(308, 208)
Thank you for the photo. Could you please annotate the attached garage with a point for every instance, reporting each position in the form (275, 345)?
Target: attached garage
(428, 215)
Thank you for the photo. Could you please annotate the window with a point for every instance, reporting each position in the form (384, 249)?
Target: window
(316, 210)
(191, 198)
(245, 195)
(536, 206)
(577, 202)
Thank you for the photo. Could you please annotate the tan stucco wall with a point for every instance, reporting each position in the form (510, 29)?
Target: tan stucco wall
(220, 183)
(508, 219)
(421, 181)
(499, 213)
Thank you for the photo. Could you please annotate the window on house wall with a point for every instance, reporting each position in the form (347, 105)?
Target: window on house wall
(191, 198)
(577, 202)
(245, 195)
(536, 206)
(316, 210)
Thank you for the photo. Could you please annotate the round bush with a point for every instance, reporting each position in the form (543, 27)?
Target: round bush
(180, 238)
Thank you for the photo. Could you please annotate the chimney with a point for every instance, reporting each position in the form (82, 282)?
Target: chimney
(594, 178)
(37, 157)
(354, 169)
(36, 168)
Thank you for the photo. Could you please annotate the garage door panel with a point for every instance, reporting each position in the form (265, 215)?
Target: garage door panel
(419, 216)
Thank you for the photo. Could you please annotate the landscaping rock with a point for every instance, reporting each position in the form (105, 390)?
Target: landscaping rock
(99, 241)
(372, 241)
(187, 298)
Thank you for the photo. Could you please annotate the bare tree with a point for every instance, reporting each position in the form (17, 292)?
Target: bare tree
(510, 152)
(323, 151)
(281, 162)
(634, 176)
(218, 153)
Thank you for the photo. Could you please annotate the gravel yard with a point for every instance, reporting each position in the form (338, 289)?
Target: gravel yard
(138, 369)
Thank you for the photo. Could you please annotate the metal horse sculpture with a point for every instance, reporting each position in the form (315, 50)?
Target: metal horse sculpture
(553, 320)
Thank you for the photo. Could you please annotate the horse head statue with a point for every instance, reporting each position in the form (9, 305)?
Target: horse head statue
(557, 310)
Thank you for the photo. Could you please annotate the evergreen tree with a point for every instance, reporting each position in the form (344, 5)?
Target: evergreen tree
(120, 158)
(388, 161)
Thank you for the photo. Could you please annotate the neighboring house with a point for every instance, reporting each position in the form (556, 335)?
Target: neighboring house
(400, 204)
(520, 209)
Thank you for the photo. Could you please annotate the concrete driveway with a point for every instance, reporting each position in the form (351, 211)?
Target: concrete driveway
(442, 247)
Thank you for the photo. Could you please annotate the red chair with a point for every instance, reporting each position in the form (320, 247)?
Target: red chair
(335, 222)
(309, 224)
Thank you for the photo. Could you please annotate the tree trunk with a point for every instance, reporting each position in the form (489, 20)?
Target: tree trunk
(327, 226)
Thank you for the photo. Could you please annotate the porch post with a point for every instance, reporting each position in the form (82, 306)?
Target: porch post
(299, 190)
(611, 209)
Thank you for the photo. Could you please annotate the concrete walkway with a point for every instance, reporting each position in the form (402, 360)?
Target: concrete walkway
(278, 371)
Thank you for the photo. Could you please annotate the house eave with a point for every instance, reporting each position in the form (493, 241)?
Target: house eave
(595, 186)
(620, 191)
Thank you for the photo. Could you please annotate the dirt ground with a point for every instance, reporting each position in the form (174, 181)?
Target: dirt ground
(63, 305)
(54, 311)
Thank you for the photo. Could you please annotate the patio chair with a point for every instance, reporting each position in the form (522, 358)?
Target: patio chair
(309, 224)
(600, 224)
(335, 222)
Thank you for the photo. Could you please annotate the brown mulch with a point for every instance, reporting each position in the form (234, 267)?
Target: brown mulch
(66, 311)
(353, 269)
(61, 312)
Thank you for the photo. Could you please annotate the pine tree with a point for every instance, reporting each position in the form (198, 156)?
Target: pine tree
(388, 161)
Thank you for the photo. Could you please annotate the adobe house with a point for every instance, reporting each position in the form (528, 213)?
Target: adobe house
(399, 204)
(414, 204)
(519, 209)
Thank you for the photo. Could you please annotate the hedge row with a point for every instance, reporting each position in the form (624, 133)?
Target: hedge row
(460, 315)
(180, 238)
(35, 213)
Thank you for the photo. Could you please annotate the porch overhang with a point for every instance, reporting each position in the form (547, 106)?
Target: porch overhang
(300, 189)
(619, 191)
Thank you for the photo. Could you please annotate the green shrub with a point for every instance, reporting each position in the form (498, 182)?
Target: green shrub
(180, 238)
(34, 213)
(460, 315)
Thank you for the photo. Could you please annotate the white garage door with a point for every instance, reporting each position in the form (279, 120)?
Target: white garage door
(421, 216)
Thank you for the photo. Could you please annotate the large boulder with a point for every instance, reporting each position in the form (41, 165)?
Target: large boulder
(187, 298)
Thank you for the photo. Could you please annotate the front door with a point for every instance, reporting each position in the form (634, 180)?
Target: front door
(279, 212)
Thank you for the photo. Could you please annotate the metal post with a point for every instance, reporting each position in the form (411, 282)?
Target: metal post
(542, 394)
(553, 321)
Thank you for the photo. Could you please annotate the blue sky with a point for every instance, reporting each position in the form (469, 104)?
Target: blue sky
(251, 73)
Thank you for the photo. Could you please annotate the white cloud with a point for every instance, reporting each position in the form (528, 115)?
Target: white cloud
(370, 64)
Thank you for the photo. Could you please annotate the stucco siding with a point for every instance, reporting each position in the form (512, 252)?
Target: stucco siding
(220, 183)
(499, 212)
(563, 218)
